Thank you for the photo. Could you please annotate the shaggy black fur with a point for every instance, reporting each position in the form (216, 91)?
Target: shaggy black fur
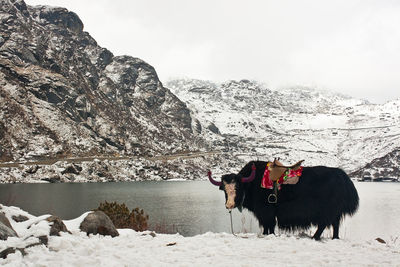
(322, 197)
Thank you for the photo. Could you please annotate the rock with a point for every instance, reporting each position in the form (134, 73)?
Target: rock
(32, 169)
(53, 179)
(98, 222)
(61, 17)
(20, 218)
(43, 240)
(74, 169)
(6, 229)
(5, 220)
(213, 128)
(197, 126)
(4, 253)
(57, 225)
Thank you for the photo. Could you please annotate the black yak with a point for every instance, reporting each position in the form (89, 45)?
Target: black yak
(321, 197)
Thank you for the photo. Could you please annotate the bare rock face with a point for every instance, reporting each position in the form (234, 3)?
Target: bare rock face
(98, 222)
(61, 94)
(60, 17)
(386, 167)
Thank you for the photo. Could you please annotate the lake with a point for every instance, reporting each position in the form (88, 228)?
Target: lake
(195, 207)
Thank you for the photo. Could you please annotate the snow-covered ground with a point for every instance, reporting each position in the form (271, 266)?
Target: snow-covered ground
(138, 249)
(132, 248)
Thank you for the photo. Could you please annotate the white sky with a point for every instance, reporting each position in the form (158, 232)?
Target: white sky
(347, 46)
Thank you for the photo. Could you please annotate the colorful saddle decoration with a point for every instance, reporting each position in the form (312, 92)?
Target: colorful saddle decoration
(275, 172)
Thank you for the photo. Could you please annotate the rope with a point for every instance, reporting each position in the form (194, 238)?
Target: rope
(230, 213)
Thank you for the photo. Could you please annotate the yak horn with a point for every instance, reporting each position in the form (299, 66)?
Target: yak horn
(252, 175)
(212, 180)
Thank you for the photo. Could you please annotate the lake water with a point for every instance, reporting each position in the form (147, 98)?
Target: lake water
(195, 207)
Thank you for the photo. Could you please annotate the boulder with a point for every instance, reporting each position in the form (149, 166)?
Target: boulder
(213, 128)
(73, 168)
(32, 169)
(4, 253)
(6, 229)
(19, 218)
(57, 225)
(60, 17)
(43, 240)
(55, 178)
(98, 222)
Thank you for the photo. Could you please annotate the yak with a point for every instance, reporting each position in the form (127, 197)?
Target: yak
(321, 197)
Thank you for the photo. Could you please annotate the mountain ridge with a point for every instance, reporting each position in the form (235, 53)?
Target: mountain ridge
(295, 123)
(64, 96)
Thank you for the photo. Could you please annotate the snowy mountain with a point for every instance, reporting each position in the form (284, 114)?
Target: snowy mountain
(62, 95)
(248, 119)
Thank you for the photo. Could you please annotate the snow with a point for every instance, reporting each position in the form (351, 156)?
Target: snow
(73, 225)
(132, 248)
(293, 123)
(138, 249)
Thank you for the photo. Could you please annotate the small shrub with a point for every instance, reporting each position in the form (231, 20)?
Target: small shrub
(123, 218)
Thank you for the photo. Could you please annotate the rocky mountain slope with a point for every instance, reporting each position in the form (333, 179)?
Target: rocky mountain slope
(63, 95)
(249, 119)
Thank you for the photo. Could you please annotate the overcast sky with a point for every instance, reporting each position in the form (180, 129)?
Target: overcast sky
(347, 46)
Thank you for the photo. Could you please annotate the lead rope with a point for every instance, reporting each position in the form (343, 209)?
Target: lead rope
(230, 213)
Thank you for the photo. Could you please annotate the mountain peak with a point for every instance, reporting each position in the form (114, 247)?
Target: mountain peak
(58, 16)
(71, 96)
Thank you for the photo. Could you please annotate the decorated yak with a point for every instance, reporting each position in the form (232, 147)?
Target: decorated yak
(294, 197)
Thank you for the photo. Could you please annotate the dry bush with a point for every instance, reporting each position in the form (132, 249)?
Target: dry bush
(123, 218)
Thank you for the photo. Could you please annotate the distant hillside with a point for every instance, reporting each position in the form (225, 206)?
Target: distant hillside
(247, 118)
(387, 166)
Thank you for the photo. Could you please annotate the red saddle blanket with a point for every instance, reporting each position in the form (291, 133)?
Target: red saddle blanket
(290, 176)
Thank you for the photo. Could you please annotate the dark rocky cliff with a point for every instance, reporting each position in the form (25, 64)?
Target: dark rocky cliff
(62, 94)
(386, 167)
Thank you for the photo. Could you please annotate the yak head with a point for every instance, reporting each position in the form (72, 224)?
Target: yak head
(232, 185)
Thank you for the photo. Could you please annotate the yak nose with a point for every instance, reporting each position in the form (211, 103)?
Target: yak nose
(231, 195)
(230, 205)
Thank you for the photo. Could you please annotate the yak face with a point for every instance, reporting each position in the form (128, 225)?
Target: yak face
(232, 187)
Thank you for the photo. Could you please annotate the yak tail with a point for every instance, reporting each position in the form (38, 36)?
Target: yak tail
(352, 200)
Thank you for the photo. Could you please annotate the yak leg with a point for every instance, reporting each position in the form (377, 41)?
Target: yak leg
(317, 235)
(268, 229)
(269, 226)
(336, 228)
(267, 220)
